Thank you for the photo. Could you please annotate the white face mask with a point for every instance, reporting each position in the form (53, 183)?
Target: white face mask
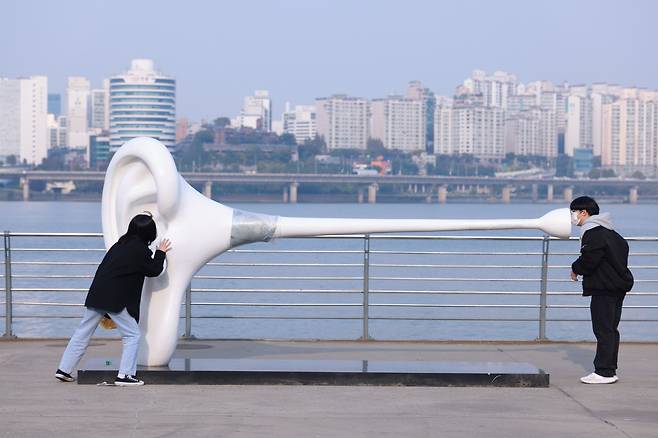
(574, 218)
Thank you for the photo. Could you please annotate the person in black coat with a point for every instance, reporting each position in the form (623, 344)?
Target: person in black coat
(603, 264)
(116, 292)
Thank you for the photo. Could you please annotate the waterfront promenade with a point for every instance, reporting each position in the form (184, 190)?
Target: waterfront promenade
(34, 404)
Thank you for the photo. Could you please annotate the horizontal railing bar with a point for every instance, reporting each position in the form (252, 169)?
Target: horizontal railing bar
(279, 304)
(394, 265)
(58, 250)
(331, 265)
(39, 234)
(452, 252)
(55, 263)
(230, 277)
(293, 251)
(296, 291)
(46, 276)
(424, 305)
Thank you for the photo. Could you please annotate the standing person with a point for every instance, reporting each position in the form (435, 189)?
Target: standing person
(603, 263)
(117, 291)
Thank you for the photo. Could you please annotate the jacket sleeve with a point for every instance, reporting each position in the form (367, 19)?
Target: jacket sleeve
(591, 254)
(152, 266)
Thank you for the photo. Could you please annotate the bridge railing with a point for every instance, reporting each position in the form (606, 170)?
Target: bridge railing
(388, 287)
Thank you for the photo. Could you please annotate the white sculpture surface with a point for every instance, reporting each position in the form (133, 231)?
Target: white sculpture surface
(142, 176)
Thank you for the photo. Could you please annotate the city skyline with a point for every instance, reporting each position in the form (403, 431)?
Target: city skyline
(374, 51)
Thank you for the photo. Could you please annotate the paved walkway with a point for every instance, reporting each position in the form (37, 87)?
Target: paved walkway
(34, 404)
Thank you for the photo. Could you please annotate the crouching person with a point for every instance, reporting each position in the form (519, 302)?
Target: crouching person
(117, 291)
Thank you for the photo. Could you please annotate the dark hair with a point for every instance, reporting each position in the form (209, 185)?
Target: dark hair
(142, 226)
(585, 203)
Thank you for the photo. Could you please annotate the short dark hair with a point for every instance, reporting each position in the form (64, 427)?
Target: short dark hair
(585, 203)
(142, 226)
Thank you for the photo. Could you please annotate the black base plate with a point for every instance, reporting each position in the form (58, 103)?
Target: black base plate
(183, 371)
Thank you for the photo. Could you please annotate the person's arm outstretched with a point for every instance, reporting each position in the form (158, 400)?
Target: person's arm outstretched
(152, 266)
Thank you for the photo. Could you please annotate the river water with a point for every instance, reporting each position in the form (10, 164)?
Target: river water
(423, 301)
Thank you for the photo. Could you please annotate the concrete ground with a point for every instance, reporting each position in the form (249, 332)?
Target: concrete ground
(34, 404)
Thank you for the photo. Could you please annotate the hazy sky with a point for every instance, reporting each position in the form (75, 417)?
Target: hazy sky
(220, 51)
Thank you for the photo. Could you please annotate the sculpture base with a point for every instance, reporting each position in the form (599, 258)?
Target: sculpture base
(193, 371)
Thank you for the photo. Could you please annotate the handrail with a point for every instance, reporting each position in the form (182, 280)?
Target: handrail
(391, 278)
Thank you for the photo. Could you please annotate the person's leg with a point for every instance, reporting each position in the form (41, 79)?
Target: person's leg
(130, 336)
(80, 340)
(618, 308)
(602, 309)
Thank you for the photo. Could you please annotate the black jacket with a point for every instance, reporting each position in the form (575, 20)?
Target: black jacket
(119, 278)
(603, 263)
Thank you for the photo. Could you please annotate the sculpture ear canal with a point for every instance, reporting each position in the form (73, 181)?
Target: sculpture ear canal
(141, 176)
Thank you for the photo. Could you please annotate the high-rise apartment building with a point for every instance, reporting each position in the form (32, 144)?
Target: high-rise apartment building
(416, 90)
(77, 112)
(343, 121)
(142, 104)
(23, 118)
(495, 89)
(99, 119)
(399, 123)
(630, 132)
(257, 112)
(532, 132)
(466, 128)
(300, 122)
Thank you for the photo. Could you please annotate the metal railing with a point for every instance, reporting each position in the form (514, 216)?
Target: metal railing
(381, 279)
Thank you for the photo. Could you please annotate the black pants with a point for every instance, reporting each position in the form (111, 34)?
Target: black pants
(606, 313)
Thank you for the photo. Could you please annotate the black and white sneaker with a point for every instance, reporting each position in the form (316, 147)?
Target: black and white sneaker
(64, 377)
(128, 381)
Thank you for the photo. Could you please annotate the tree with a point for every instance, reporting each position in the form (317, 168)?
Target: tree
(638, 175)
(287, 138)
(221, 122)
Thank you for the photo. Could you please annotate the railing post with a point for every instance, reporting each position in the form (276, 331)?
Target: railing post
(366, 286)
(8, 294)
(187, 334)
(543, 288)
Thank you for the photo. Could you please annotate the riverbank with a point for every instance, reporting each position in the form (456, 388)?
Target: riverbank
(40, 405)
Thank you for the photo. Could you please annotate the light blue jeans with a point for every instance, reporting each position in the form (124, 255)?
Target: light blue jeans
(79, 342)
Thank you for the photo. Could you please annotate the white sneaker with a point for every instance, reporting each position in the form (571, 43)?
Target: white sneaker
(596, 379)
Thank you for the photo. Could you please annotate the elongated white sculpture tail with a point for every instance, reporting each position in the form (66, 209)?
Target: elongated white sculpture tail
(142, 176)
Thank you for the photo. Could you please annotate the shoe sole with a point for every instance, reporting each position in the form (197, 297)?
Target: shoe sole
(128, 384)
(600, 383)
(62, 378)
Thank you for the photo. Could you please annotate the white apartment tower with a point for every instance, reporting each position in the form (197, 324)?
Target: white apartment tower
(24, 118)
(142, 104)
(532, 132)
(630, 132)
(495, 89)
(399, 123)
(77, 112)
(257, 111)
(469, 129)
(343, 121)
(100, 108)
(300, 122)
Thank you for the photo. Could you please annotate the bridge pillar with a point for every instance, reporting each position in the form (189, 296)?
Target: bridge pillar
(632, 195)
(507, 194)
(285, 195)
(428, 198)
(568, 194)
(25, 184)
(443, 194)
(293, 192)
(549, 193)
(372, 193)
(359, 196)
(535, 193)
(207, 189)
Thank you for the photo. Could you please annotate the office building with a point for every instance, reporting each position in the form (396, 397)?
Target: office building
(142, 104)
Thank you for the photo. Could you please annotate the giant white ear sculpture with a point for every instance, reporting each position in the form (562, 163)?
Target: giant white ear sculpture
(142, 176)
